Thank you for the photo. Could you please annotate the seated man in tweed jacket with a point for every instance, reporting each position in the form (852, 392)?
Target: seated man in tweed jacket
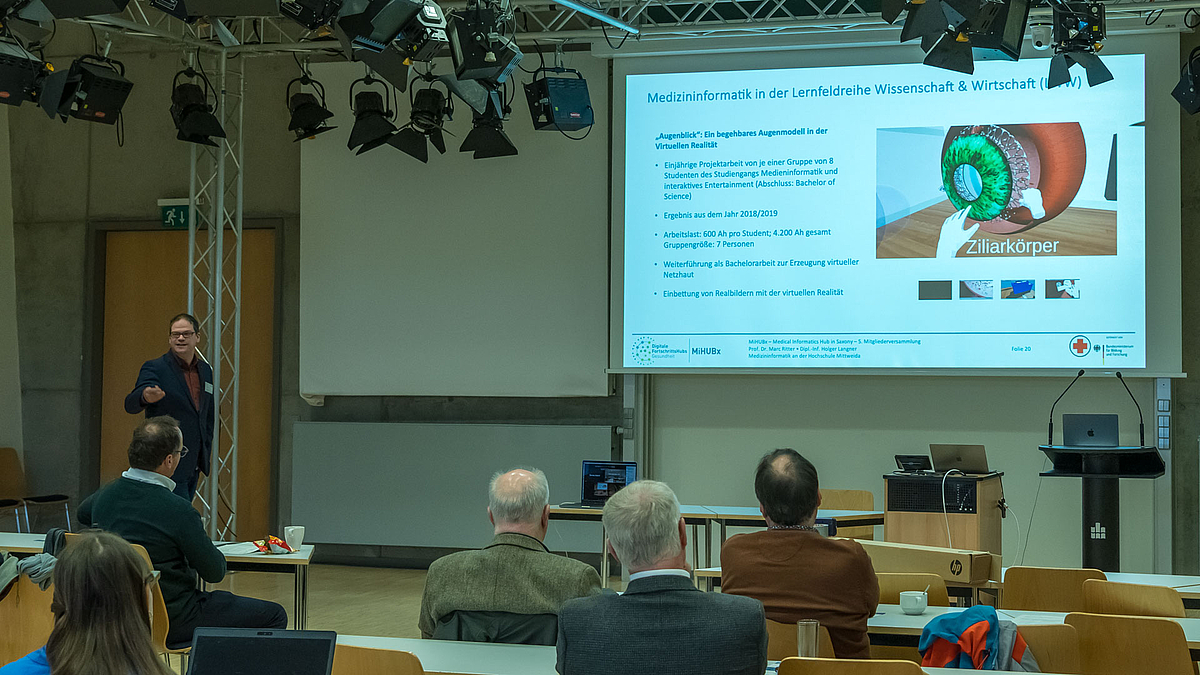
(662, 624)
(511, 590)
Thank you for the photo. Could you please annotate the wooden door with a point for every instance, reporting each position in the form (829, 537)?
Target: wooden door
(145, 284)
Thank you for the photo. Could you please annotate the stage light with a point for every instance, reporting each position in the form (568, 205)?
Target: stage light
(559, 103)
(418, 28)
(191, 111)
(19, 73)
(1079, 31)
(312, 14)
(952, 30)
(372, 117)
(487, 137)
(94, 88)
(309, 113)
(1185, 91)
(429, 108)
(478, 46)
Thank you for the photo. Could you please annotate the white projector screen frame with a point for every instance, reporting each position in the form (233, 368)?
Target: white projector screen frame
(1163, 314)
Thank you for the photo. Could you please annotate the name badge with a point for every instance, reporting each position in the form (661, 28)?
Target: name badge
(208, 388)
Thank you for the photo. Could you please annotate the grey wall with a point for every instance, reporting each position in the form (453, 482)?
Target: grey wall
(10, 377)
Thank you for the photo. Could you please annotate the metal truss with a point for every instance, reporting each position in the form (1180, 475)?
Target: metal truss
(545, 20)
(215, 283)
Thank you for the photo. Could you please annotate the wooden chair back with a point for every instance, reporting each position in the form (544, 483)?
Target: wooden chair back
(892, 583)
(850, 500)
(25, 619)
(1046, 589)
(783, 641)
(1055, 646)
(798, 666)
(1130, 645)
(1110, 597)
(349, 660)
(12, 475)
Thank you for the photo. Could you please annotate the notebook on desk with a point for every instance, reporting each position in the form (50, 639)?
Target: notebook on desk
(253, 651)
(965, 458)
(601, 480)
(1091, 431)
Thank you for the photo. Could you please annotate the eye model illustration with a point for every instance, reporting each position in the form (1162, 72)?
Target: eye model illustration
(1013, 177)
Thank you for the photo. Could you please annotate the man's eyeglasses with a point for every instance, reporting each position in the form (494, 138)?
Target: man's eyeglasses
(183, 452)
(182, 334)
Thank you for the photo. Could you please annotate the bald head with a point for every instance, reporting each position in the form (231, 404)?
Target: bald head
(517, 502)
(787, 488)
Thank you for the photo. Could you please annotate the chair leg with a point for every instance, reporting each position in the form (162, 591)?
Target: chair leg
(26, 508)
(67, 511)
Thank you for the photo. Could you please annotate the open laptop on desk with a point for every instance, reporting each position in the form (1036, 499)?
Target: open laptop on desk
(601, 480)
(1091, 431)
(253, 651)
(965, 458)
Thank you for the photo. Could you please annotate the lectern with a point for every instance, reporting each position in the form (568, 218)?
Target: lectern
(921, 507)
(1101, 470)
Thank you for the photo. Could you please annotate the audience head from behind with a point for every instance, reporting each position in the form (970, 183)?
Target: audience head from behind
(787, 489)
(157, 446)
(519, 502)
(645, 530)
(101, 613)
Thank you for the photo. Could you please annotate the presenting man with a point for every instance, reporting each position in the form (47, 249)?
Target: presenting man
(179, 384)
(140, 507)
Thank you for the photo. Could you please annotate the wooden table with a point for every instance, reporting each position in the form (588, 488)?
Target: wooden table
(297, 564)
(751, 516)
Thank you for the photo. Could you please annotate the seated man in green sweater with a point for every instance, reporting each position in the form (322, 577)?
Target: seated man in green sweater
(142, 508)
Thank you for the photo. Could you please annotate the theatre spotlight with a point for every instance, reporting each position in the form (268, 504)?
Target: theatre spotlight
(309, 113)
(487, 137)
(312, 14)
(20, 71)
(372, 116)
(952, 30)
(559, 103)
(478, 46)
(1078, 33)
(430, 107)
(417, 28)
(191, 111)
(1185, 91)
(94, 88)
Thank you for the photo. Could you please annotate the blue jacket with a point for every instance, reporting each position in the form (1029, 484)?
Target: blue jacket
(196, 425)
(34, 663)
(975, 639)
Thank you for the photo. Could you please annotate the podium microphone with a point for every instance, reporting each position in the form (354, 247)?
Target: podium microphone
(1051, 426)
(1141, 420)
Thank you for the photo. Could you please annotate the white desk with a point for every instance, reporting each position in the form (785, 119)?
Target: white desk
(295, 563)
(466, 658)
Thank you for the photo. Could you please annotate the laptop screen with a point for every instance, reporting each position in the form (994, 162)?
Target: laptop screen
(252, 651)
(601, 480)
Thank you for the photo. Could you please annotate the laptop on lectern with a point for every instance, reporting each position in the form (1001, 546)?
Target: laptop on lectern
(965, 458)
(253, 651)
(1091, 431)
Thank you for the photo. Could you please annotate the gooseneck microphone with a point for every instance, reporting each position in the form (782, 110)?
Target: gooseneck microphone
(1051, 426)
(1141, 420)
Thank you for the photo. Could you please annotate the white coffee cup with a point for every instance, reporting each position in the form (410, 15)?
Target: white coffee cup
(294, 536)
(913, 602)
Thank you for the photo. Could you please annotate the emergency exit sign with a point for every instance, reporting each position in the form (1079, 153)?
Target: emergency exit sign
(174, 213)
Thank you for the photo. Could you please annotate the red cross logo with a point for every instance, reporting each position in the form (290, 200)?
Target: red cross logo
(1080, 346)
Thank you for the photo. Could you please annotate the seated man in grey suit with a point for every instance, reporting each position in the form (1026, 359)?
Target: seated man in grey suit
(662, 624)
(511, 590)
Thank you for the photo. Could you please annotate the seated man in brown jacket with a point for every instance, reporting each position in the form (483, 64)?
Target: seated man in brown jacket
(794, 571)
(510, 590)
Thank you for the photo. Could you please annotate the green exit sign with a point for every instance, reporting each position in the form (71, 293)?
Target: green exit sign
(174, 213)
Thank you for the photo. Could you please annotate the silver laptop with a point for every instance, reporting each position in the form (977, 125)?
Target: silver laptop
(965, 458)
(1091, 431)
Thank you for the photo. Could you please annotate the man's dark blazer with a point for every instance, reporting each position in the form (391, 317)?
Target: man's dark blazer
(196, 425)
(662, 625)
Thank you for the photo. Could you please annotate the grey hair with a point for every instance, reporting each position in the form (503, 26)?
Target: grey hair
(642, 521)
(523, 507)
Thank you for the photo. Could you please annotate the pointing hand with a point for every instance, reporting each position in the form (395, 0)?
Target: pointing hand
(153, 394)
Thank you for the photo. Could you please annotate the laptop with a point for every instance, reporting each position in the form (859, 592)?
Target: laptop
(1090, 431)
(253, 651)
(965, 458)
(601, 480)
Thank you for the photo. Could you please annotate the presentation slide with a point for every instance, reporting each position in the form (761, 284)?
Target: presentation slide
(895, 216)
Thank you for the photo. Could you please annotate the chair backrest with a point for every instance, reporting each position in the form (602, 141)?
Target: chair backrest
(25, 619)
(1110, 597)
(783, 641)
(892, 583)
(1045, 589)
(349, 660)
(798, 666)
(502, 627)
(851, 500)
(12, 476)
(1055, 646)
(1130, 645)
